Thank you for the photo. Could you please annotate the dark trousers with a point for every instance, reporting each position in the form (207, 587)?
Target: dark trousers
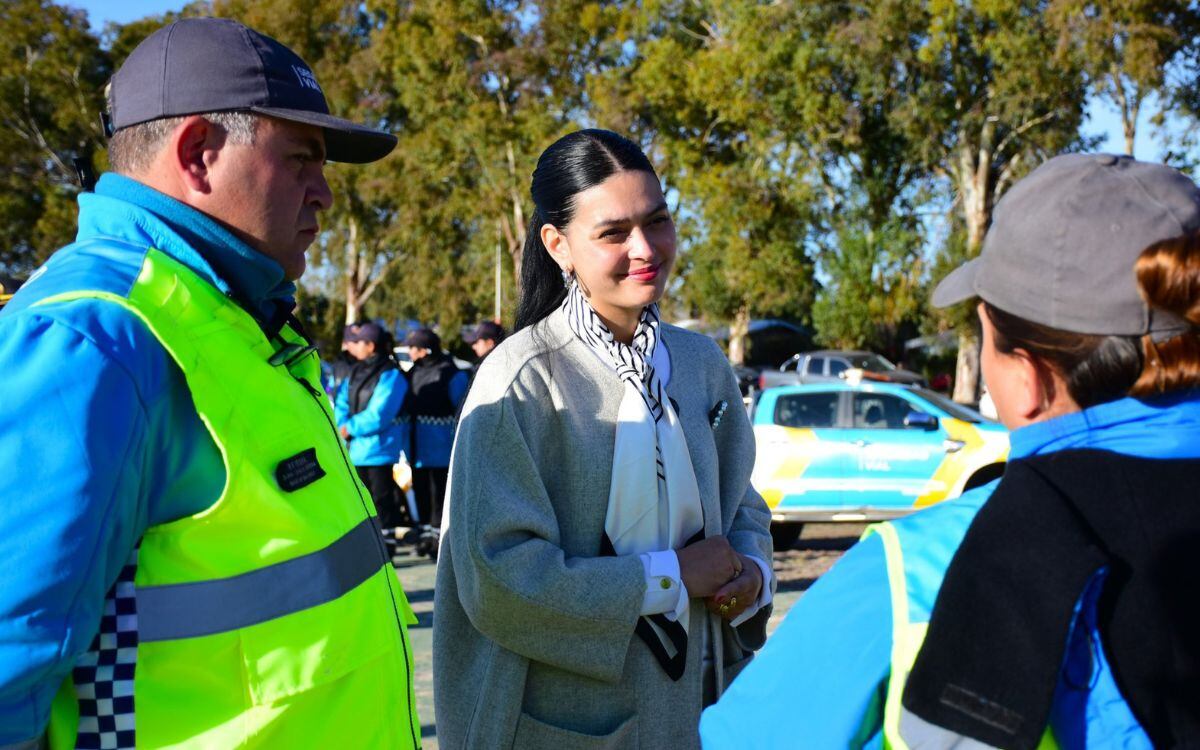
(429, 487)
(389, 501)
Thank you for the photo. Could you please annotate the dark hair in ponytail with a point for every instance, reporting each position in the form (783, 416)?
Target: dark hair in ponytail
(572, 164)
(1168, 275)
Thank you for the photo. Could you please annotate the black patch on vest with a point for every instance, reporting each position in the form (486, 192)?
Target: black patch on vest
(299, 471)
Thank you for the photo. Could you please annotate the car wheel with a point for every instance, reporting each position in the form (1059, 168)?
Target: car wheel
(784, 535)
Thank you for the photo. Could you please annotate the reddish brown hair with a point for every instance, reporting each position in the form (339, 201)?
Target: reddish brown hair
(1168, 274)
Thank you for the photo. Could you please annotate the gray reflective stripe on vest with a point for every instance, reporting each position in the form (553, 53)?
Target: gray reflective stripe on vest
(35, 744)
(189, 610)
(919, 734)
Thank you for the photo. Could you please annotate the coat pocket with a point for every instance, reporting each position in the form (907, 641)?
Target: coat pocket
(532, 734)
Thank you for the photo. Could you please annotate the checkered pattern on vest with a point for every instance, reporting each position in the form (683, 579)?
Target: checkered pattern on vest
(104, 675)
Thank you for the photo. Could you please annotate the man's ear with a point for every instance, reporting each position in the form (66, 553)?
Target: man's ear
(194, 146)
(555, 243)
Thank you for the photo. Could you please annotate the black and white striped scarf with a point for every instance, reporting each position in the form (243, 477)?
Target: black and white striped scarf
(632, 362)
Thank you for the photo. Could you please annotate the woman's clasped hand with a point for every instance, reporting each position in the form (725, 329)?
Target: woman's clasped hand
(727, 581)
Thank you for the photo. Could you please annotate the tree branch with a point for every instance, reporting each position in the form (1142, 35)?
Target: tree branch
(1017, 132)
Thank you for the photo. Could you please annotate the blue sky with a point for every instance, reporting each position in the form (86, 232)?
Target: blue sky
(1103, 119)
(121, 11)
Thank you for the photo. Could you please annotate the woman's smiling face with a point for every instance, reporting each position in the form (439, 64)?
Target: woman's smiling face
(620, 244)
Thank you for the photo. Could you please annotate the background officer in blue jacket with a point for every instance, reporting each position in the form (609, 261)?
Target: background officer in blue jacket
(368, 403)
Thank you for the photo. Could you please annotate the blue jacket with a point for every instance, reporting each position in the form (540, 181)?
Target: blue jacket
(376, 437)
(98, 435)
(821, 680)
(435, 436)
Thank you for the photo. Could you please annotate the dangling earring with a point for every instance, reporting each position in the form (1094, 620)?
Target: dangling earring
(568, 278)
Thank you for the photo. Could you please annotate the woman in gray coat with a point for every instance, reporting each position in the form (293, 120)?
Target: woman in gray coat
(605, 565)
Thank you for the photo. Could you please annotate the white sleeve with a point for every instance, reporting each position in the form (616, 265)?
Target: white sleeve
(665, 592)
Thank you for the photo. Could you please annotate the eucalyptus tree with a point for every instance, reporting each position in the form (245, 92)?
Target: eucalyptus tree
(52, 75)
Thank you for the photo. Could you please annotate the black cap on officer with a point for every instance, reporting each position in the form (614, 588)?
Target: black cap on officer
(200, 65)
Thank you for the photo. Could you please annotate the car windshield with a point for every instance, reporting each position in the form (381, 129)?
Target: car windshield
(953, 408)
(870, 363)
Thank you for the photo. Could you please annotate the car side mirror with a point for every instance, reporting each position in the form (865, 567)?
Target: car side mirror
(920, 421)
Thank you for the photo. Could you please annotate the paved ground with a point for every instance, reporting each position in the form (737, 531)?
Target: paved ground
(819, 547)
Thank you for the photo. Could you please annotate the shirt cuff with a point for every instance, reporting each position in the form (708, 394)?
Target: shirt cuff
(665, 592)
(764, 595)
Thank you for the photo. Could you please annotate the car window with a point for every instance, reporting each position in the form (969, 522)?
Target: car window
(880, 411)
(872, 363)
(838, 366)
(954, 409)
(807, 410)
(816, 366)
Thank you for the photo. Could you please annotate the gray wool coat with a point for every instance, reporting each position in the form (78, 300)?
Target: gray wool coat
(533, 636)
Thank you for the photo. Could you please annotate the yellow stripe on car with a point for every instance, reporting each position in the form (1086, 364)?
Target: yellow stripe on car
(776, 467)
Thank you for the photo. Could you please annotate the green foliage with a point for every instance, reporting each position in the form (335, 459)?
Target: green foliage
(1126, 47)
(705, 91)
(51, 74)
(875, 293)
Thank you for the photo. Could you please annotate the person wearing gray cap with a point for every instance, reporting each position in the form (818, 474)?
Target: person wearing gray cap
(1055, 607)
(191, 558)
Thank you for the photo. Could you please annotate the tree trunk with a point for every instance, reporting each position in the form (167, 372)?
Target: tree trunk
(739, 336)
(353, 307)
(517, 248)
(353, 282)
(966, 370)
(1129, 101)
(975, 187)
(1130, 127)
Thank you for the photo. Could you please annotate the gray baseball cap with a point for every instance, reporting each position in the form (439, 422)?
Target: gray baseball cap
(1063, 243)
(200, 65)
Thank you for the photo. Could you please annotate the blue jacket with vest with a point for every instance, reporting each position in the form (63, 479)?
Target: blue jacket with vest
(436, 393)
(376, 437)
(822, 678)
(99, 438)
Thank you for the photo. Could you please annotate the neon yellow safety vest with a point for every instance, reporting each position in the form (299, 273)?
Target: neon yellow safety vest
(272, 619)
(914, 577)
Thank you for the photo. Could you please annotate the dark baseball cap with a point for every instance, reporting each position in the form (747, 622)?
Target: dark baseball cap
(365, 332)
(199, 65)
(486, 329)
(423, 338)
(1063, 243)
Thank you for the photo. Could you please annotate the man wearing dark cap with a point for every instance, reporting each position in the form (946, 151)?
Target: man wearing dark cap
(368, 402)
(436, 391)
(191, 559)
(486, 337)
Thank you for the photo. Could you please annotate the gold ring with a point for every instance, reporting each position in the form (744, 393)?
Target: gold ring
(733, 601)
(724, 609)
